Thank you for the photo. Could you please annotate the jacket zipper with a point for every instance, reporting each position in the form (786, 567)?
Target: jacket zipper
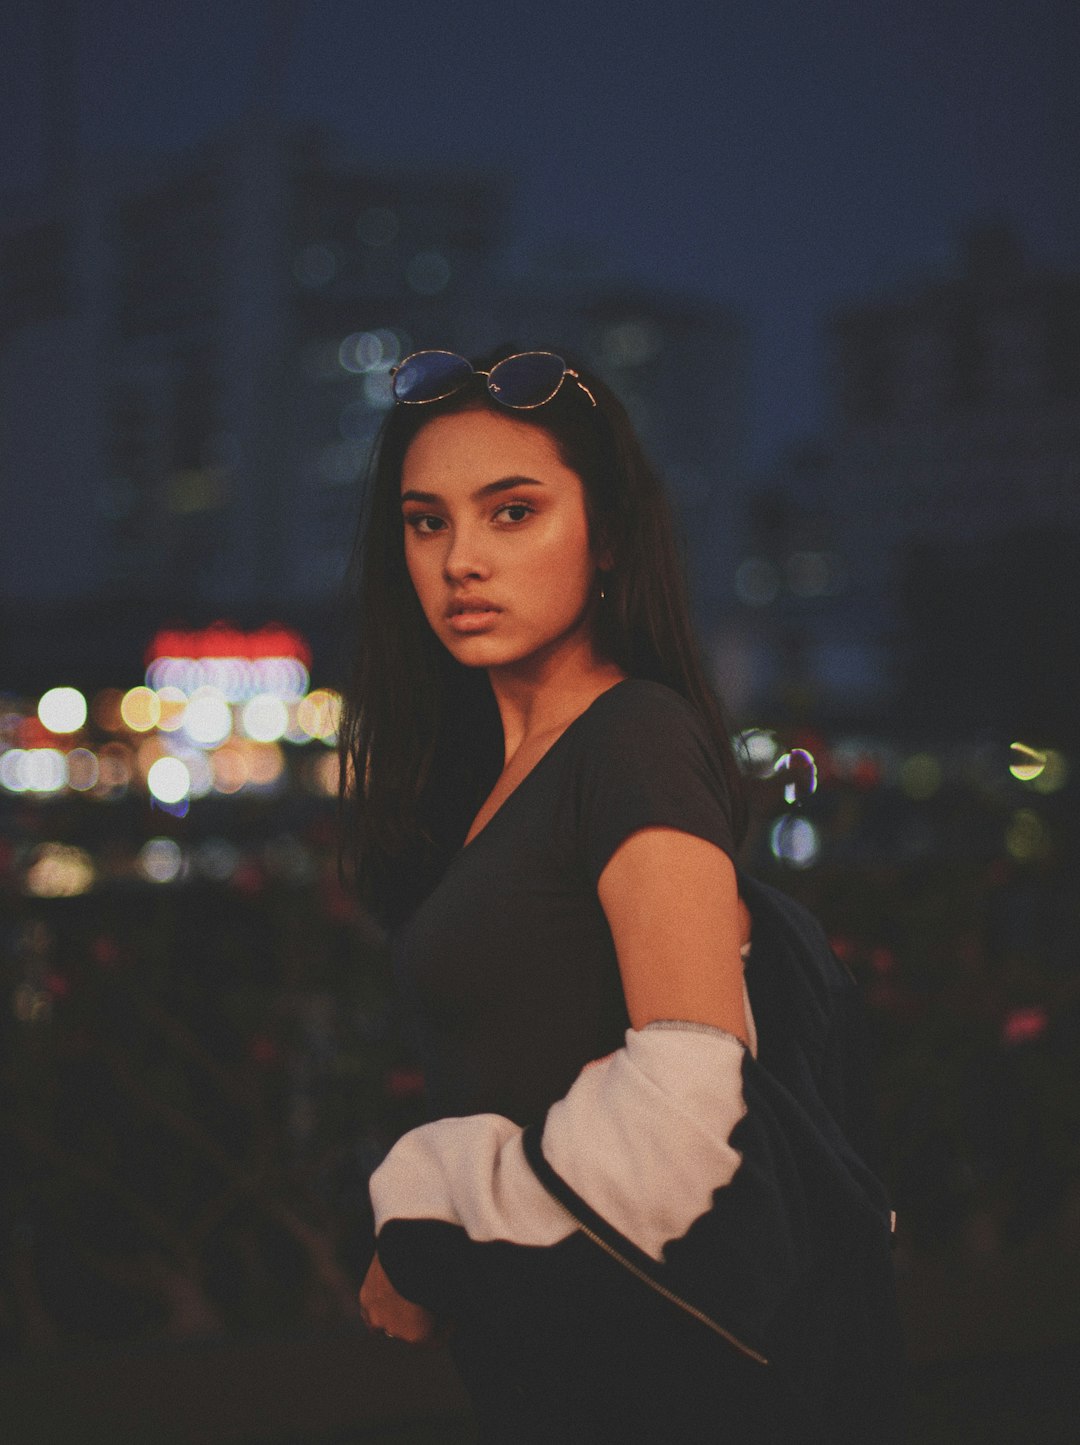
(660, 1289)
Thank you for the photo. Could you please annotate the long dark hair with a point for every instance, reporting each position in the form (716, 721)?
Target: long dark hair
(421, 741)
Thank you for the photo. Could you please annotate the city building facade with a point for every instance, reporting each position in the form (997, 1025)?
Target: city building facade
(948, 465)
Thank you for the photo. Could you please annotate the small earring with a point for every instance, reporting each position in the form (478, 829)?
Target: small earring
(603, 594)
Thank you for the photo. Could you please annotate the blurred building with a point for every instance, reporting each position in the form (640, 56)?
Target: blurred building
(956, 407)
(952, 447)
(195, 354)
(195, 357)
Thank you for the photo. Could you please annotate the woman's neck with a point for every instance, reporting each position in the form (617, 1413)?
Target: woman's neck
(545, 698)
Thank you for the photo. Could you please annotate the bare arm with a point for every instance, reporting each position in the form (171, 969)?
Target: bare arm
(673, 907)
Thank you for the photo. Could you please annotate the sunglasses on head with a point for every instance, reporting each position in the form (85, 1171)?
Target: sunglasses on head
(523, 381)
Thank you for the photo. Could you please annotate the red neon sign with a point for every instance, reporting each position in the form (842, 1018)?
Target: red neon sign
(221, 639)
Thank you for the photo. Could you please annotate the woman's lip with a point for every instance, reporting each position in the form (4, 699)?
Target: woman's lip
(478, 619)
(472, 603)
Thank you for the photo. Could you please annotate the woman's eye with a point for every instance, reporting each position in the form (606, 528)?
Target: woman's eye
(514, 511)
(424, 523)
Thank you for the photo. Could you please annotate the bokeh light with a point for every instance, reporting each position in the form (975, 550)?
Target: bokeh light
(230, 768)
(1054, 775)
(147, 752)
(208, 717)
(62, 710)
(31, 1005)
(183, 673)
(799, 772)
(378, 390)
(161, 860)
(294, 733)
(59, 870)
(319, 714)
(285, 677)
(173, 704)
(169, 780)
(365, 351)
(1027, 838)
(1026, 762)
(11, 777)
(230, 675)
(1044, 770)
(265, 763)
(265, 718)
(200, 770)
(1024, 1025)
(795, 841)
(759, 749)
(82, 769)
(43, 770)
(140, 708)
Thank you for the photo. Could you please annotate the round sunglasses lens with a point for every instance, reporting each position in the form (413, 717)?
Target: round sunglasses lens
(526, 380)
(429, 375)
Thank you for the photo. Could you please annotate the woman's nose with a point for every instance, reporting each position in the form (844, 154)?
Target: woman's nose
(464, 556)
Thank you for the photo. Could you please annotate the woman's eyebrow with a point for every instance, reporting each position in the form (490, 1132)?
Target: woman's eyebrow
(504, 484)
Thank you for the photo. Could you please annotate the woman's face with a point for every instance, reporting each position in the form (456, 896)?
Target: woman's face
(496, 538)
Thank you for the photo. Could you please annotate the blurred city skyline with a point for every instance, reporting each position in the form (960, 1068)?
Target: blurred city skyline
(766, 158)
(859, 378)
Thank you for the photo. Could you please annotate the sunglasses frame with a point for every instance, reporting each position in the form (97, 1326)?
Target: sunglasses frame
(568, 371)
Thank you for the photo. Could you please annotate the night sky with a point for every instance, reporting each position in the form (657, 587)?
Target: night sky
(782, 157)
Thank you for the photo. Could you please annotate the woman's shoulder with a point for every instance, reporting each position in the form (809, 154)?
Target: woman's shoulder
(635, 697)
(645, 757)
(639, 707)
(645, 729)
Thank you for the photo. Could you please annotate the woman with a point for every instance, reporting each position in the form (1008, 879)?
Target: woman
(635, 1221)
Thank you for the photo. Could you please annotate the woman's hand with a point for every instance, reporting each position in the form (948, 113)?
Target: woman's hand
(384, 1310)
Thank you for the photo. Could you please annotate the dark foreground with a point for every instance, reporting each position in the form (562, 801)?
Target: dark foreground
(202, 1073)
(348, 1390)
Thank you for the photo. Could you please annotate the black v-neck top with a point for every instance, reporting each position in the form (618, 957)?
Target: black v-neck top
(508, 967)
